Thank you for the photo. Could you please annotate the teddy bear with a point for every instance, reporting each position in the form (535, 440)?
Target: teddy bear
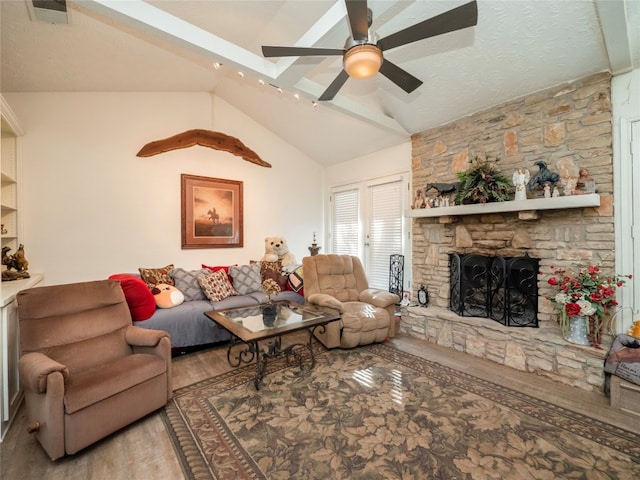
(167, 296)
(276, 248)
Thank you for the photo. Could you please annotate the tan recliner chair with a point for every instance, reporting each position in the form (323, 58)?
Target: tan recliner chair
(339, 282)
(85, 369)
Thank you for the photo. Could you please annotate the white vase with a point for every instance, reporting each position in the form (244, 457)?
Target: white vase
(578, 331)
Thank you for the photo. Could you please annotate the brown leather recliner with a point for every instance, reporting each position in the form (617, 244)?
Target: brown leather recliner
(85, 369)
(339, 282)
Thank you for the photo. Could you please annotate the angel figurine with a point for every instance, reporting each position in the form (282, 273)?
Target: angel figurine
(520, 180)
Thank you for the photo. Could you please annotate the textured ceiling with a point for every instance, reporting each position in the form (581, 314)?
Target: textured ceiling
(170, 45)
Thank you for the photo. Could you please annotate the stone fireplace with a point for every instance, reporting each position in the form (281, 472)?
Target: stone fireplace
(568, 125)
(499, 288)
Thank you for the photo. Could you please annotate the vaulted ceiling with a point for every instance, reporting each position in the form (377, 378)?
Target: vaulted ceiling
(515, 49)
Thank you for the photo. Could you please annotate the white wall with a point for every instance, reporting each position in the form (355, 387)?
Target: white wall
(90, 207)
(389, 161)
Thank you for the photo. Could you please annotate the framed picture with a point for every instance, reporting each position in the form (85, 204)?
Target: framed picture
(211, 212)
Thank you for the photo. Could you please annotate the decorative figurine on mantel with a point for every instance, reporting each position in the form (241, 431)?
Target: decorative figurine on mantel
(17, 262)
(443, 199)
(585, 183)
(520, 179)
(419, 201)
(314, 248)
(544, 176)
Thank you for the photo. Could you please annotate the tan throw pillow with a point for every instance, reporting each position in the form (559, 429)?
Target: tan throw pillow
(154, 276)
(216, 285)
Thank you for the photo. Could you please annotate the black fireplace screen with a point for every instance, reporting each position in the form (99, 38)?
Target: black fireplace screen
(504, 289)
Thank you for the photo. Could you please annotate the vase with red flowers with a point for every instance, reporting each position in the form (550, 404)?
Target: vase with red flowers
(589, 293)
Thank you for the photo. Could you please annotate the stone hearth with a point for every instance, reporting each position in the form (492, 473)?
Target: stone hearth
(536, 350)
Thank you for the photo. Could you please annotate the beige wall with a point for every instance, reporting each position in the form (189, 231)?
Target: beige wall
(90, 207)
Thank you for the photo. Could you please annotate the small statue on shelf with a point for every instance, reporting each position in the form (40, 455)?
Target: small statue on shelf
(419, 201)
(314, 248)
(520, 179)
(585, 183)
(17, 262)
(543, 177)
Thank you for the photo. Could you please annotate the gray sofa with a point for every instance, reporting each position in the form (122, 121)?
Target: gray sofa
(186, 323)
(188, 326)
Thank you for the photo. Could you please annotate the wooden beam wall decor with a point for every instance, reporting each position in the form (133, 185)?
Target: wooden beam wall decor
(204, 138)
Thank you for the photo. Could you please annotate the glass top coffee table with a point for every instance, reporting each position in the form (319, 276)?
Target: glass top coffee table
(252, 325)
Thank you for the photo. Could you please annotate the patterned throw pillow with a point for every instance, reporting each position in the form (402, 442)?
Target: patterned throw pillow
(216, 285)
(215, 269)
(187, 282)
(273, 270)
(296, 282)
(154, 276)
(246, 278)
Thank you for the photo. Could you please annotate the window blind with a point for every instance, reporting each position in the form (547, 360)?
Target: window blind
(345, 238)
(384, 230)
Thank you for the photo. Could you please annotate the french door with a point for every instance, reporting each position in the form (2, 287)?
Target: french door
(627, 208)
(367, 220)
(634, 241)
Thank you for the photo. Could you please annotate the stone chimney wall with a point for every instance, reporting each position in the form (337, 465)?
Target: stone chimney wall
(568, 126)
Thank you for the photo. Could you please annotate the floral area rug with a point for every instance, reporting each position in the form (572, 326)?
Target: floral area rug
(379, 413)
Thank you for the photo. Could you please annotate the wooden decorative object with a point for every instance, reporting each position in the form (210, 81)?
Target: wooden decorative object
(204, 138)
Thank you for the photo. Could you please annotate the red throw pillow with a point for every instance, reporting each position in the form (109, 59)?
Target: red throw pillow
(141, 301)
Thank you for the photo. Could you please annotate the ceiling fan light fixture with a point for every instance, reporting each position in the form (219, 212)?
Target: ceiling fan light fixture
(362, 61)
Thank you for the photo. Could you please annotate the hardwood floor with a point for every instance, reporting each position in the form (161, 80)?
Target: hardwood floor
(143, 450)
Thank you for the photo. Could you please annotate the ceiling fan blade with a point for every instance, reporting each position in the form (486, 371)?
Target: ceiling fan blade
(269, 51)
(400, 77)
(358, 18)
(336, 85)
(461, 17)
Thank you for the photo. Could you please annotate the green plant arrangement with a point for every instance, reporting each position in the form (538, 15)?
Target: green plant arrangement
(483, 183)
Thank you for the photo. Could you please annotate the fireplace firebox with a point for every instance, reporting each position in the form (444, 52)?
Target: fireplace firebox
(504, 289)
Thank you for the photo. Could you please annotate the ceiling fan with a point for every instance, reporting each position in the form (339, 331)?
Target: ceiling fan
(362, 54)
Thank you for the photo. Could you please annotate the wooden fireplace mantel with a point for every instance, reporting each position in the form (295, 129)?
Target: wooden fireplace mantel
(525, 208)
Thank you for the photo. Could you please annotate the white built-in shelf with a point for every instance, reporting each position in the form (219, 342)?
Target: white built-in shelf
(11, 288)
(532, 204)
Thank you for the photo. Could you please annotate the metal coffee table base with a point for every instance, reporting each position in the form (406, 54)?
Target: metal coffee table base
(294, 354)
